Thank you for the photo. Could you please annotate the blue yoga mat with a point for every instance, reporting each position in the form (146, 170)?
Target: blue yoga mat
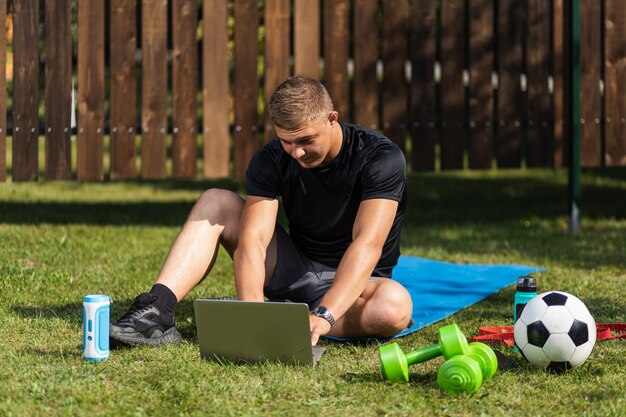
(440, 289)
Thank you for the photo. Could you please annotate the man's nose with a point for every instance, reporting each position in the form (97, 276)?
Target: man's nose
(297, 152)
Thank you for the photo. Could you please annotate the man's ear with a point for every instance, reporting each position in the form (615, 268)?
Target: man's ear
(333, 117)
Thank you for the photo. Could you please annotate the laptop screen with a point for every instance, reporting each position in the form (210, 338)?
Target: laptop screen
(250, 332)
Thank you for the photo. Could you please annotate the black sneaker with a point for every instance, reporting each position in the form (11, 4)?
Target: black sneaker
(144, 324)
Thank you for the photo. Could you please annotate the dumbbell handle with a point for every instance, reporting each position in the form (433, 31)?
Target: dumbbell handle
(394, 363)
(423, 355)
(451, 342)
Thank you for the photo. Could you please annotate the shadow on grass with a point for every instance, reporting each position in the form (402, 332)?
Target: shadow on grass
(494, 309)
(613, 173)
(423, 379)
(120, 214)
(441, 199)
(157, 213)
(73, 314)
(360, 378)
(55, 354)
(433, 200)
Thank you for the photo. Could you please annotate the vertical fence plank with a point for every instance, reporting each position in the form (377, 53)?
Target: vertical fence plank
(216, 134)
(539, 142)
(590, 59)
(365, 57)
(394, 111)
(90, 90)
(3, 94)
(246, 89)
(508, 143)
(480, 92)
(276, 52)
(184, 87)
(307, 38)
(452, 88)
(123, 85)
(336, 40)
(58, 94)
(615, 75)
(422, 102)
(25, 90)
(559, 154)
(154, 89)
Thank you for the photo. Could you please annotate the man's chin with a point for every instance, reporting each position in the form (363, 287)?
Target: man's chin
(313, 163)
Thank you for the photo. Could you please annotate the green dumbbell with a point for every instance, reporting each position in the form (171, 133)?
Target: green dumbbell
(459, 374)
(486, 358)
(394, 364)
(466, 373)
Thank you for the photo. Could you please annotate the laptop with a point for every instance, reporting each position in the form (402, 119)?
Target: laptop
(251, 332)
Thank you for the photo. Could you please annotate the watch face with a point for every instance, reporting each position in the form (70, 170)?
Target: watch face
(325, 313)
(321, 310)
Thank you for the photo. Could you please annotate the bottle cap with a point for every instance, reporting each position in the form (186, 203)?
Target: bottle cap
(527, 283)
(96, 298)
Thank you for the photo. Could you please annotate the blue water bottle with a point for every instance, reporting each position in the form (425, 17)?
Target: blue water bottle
(96, 327)
(526, 290)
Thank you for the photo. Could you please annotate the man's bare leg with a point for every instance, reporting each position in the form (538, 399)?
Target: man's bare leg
(214, 220)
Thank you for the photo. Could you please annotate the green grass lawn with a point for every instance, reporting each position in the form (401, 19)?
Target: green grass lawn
(63, 240)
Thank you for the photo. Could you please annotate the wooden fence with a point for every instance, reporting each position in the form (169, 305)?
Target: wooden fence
(457, 83)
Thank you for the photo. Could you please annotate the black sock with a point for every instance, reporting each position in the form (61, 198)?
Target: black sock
(165, 299)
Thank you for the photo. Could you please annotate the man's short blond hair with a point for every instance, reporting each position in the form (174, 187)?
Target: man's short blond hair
(299, 100)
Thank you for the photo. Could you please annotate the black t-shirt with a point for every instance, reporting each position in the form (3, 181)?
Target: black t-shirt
(321, 203)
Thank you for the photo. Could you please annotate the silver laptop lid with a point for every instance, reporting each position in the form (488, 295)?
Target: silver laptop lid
(249, 332)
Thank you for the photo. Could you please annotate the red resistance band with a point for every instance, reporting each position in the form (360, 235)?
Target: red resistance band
(503, 335)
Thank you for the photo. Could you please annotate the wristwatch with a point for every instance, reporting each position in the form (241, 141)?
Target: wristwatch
(324, 313)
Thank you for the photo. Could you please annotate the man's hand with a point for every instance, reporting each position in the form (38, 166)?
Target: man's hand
(319, 327)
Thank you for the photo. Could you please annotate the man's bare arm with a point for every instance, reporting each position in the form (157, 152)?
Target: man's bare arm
(258, 221)
(371, 228)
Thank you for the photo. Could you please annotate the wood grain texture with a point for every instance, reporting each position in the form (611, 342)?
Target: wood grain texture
(215, 85)
(154, 89)
(58, 90)
(307, 38)
(277, 35)
(510, 113)
(123, 89)
(560, 55)
(184, 88)
(25, 90)
(394, 56)
(591, 100)
(365, 58)
(539, 133)
(615, 75)
(480, 90)
(423, 105)
(246, 84)
(91, 92)
(336, 38)
(452, 88)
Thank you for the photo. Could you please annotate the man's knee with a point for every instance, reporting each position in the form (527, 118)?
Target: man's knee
(217, 204)
(393, 308)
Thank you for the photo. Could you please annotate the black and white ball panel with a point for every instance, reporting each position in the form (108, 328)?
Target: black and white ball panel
(555, 331)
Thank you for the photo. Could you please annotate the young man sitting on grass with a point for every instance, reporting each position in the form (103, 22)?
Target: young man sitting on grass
(344, 192)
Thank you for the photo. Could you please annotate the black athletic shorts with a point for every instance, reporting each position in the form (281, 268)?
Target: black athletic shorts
(297, 278)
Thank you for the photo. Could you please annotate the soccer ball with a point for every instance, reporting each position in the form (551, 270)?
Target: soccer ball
(555, 331)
